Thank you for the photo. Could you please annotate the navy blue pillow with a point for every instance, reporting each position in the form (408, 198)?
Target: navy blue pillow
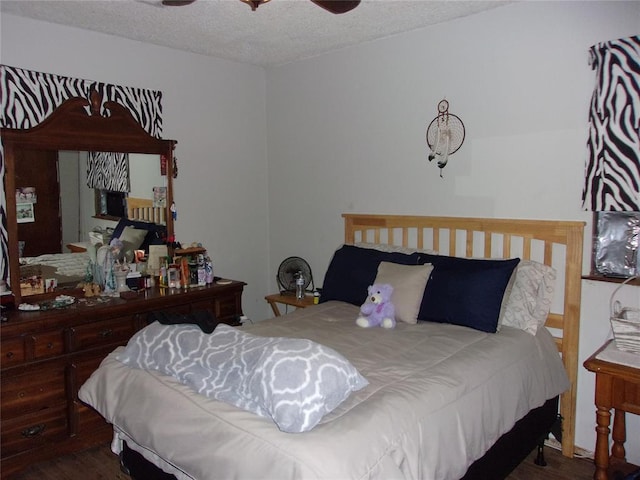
(155, 233)
(353, 269)
(465, 291)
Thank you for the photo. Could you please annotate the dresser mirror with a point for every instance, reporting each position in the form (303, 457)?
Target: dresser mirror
(58, 147)
(85, 214)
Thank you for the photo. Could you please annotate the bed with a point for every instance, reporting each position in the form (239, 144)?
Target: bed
(442, 399)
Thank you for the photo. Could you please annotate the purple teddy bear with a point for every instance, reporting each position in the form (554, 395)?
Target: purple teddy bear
(377, 310)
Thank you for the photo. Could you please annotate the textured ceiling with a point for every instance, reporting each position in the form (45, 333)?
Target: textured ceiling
(278, 32)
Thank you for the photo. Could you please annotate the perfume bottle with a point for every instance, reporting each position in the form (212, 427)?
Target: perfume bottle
(202, 272)
(208, 269)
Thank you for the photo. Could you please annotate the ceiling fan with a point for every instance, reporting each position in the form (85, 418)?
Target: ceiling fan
(333, 6)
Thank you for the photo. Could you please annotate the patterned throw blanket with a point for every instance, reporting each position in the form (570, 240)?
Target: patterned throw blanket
(293, 381)
(67, 264)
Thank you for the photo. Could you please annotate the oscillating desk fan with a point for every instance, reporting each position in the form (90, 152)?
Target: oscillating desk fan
(288, 272)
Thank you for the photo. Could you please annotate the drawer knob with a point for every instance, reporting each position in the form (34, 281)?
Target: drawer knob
(34, 431)
(107, 332)
(50, 345)
(10, 354)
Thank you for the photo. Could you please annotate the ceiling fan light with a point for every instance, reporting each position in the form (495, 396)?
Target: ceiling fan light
(254, 4)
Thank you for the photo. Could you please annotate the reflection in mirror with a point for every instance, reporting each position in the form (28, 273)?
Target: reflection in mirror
(85, 210)
(68, 217)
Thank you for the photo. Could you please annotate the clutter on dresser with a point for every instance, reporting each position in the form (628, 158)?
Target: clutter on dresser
(60, 301)
(189, 267)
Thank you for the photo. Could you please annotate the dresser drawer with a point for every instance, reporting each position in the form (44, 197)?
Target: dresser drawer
(183, 309)
(80, 370)
(227, 307)
(115, 331)
(46, 345)
(13, 352)
(85, 419)
(34, 430)
(31, 391)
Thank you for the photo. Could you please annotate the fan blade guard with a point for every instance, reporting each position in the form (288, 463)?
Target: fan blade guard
(289, 270)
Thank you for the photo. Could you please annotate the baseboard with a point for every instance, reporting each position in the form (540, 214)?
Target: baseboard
(577, 451)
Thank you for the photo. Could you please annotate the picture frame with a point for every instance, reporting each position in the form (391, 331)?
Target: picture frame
(26, 195)
(156, 253)
(25, 213)
(160, 197)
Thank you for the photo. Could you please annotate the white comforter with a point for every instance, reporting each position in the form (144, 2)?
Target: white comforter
(67, 264)
(439, 397)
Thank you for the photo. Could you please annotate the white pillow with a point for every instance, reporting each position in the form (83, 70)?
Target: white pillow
(529, 302)
(408, 282)
(132, 238)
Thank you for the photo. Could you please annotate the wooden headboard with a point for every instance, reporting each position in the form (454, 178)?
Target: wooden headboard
(142, 209)
(554, 243)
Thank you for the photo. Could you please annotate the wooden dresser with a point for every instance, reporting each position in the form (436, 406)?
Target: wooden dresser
(47, 355)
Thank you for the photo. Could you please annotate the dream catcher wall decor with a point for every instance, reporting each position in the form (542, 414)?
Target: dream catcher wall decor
(445, 135)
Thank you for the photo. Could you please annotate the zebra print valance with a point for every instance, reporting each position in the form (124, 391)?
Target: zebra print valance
(108, 171)
(612, 172)
(28, 97)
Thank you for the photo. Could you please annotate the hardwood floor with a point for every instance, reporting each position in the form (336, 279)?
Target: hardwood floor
(100, 464)
(558, 468)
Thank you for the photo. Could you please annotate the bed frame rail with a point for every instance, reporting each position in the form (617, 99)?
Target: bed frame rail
(555, 243)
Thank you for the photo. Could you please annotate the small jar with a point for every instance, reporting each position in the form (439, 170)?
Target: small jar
(316, 297)
(208, 269)
(174, 276)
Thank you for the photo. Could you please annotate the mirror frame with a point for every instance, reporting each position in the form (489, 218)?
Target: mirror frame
(77, 124)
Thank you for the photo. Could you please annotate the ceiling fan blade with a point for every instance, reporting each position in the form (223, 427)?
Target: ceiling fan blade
(337, 6)
(177, 3)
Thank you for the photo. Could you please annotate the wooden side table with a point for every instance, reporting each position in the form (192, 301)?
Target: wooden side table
(617, 387)
(291, 300)
(77, 247)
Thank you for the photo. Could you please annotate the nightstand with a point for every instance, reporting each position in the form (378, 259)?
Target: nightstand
(78, 247)
(289, 300)
(617, 387)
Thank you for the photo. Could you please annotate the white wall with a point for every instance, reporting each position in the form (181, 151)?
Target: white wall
(346, 134)
(144, 175)
(70, 203)
(214, 108)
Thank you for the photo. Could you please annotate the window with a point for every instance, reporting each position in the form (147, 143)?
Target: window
(110, 204)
